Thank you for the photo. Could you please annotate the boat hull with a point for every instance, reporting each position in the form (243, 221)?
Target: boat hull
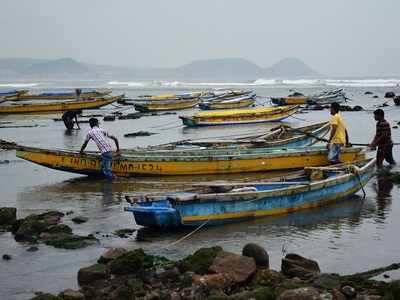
(239, 117)
(160, 163)
(62, 106)
(165, 106)
(218, 209)
(290, 100)
(226, 104)
(67, 96)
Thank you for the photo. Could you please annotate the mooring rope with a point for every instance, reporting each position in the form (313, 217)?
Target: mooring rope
(190, 233)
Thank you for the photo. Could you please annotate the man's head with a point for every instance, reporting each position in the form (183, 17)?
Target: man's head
(379, 114)
(335, 107)
(93, 122)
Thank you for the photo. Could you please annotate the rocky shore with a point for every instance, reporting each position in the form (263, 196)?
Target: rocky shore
(209, 273)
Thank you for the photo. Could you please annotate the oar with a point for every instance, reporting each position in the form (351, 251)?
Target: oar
(308, 134)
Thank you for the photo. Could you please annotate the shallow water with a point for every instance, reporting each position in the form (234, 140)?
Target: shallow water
(351, 236)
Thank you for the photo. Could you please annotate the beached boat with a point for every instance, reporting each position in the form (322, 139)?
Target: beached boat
(290, 100)
(162, 105)
(230, 103)
(225, 94)
(58, 106)
(165, 97)
(326, 97)
(239, 116)
(245, 201)
(10, 95)
(65, 95)
(282, 136)
(183, 162)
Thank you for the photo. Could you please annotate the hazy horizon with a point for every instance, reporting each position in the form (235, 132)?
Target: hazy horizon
(341, 38)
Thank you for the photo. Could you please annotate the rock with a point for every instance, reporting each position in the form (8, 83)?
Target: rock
(137, 286)
(79, 219)
(46, 297)
(109, 118)
(121, 292)
(258, 253)
(172, 274)
(349, 291)
(261, 293)
(6, 257)
(375, 96)
(368, 93)
(70, 294)
(93, 273)
(174, 296)
(139, 133)
(268, 277)
(111, 254)
(8, 215)
(238, 268)
(307, 293)
(395, 127)
(213, 281)
(200, 261)
(295, 265)
(124, 233)
(32, 249)
(131, 262)
(70, 241)
(390, 95)
(327, 281)
(59, 228)
(70, 212)
(130, 116)
(392, 290)
(357, 108)
(396, 100)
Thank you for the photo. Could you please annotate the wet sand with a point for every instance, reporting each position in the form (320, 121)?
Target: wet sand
(351, 236)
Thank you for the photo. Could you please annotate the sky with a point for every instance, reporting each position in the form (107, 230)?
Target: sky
(336, 38)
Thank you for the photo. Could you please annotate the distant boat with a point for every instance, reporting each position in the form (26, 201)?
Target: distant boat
(234, 202)
(326, 97)
(165, 105)
(228, 103)
(168, 97)
(57, 106)
(10, 95)
(65, 95)
(138, 162)
(239, 116)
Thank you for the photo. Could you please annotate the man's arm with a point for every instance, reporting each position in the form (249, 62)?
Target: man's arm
(76, 121)
(347, 137)
(116, 142)
(84, 146)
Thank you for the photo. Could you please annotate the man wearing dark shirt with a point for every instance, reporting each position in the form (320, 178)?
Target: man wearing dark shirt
(382, 139)
(68, 118)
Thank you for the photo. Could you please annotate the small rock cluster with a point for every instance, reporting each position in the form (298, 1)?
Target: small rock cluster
(215, 274)
(45, 227)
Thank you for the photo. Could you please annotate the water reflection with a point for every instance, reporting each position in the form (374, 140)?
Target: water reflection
(383, 187)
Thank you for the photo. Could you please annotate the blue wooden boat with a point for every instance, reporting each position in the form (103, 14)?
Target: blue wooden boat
(244, 201)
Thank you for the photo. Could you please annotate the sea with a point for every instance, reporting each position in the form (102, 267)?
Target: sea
(350, 236)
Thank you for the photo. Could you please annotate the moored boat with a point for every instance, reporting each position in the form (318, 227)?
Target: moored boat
(65, 95)
(281, 136)
(230, 103)
(58, 106)
(183, 162)
(168, 97)
(239, 116)
(246, 201)
(326, 97)
(290, 100)
(162, 105)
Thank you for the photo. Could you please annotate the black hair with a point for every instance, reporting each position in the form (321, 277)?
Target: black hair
(379, 112)
(335, 106)
(93, 122)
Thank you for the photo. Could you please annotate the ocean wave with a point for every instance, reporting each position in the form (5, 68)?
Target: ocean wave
(17, 85)
(364, 82)
(128, 83)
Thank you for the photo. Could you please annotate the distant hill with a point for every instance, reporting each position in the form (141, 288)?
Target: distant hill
(219, 69)
(290, 67)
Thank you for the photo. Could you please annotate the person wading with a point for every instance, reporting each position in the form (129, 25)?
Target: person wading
(98, 135)
(382, 139)
(69, 117)
(338, 137)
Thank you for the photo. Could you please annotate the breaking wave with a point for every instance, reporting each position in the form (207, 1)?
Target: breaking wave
(17, 85)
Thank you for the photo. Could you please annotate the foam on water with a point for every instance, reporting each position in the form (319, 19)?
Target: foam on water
(364, 82)
(17, 85)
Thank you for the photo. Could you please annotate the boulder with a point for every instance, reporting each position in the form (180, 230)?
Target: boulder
(79, 219)
(261, 293)
(111, 254)
(70, 294)
(70, 241)
(136, 285)
(93, 273)
(390, 95)
(268, 277)
(109, 118)
(131, 262)
(327, 281)
(200, 261)
(59, 228)
(368, 93)
(171, 275)
(349, 292)
(257, 252)
(337, 295)
(375, 96)
(8, 215)
(357, 108)
(307, 293)
(294, 265)
(239, 268)
(396, 100)
(46, 297)
(6, 257)
(213, 281)
(124, 233)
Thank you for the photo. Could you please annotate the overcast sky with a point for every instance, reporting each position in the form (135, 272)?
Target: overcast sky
(341, 37)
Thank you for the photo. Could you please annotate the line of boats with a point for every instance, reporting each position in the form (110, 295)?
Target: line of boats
(324, 98)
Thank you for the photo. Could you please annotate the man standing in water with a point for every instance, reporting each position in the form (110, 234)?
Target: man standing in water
(382, 139)
(69, 117)
(98, 135)
(338, 137)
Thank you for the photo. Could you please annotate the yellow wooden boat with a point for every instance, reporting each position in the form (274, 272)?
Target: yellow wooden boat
(204, 161)
(291, 100)
(162, 97)
(228, 104)
(58, 106)
(165, 105)
(64, 95)
(239, 116)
